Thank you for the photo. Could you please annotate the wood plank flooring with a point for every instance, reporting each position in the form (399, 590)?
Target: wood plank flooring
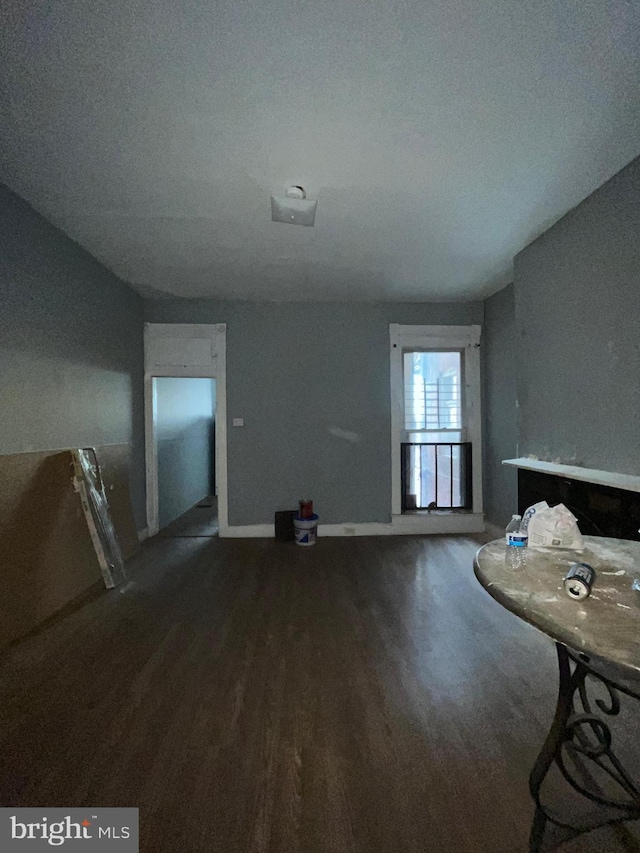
(250, 696)
(200, 520)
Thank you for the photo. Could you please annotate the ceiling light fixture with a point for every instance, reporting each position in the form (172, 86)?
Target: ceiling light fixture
(293, 208)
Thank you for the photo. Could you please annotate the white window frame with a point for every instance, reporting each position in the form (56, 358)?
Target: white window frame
(465, 338)
(194, 351)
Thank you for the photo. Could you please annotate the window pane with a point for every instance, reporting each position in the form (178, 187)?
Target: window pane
(432, 390)
(445, 437)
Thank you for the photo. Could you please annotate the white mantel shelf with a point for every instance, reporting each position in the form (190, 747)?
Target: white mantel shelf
(589, 475)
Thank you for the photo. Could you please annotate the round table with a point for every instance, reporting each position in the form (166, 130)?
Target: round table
(598, 648)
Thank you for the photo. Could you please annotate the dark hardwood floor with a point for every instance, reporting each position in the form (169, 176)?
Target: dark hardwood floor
(200, 520)
(247, 695)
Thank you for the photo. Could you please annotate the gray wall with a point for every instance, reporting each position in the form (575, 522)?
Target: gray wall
(184, 428)
(499, 407)
(71, 358)
(578, 333)
(294, 372)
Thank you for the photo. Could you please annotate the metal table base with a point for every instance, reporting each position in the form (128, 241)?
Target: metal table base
(581, 735)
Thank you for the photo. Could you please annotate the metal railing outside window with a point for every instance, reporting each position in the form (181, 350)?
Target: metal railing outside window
(436, 475)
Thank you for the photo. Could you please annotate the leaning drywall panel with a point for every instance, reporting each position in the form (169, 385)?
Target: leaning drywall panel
(47, 557)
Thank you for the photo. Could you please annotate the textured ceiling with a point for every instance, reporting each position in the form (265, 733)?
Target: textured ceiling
(439, 136)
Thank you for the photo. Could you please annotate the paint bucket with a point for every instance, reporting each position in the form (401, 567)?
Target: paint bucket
(306, 530)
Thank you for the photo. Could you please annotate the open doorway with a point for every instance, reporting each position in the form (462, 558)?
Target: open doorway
(185, 410)
(192, 352)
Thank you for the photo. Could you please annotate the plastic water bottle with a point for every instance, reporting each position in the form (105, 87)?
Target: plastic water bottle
(516, 540)
(515, 536)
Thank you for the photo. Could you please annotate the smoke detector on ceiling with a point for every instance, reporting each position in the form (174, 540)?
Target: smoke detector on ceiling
(293, 208)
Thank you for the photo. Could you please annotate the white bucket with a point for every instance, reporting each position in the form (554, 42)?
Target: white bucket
(306, 530)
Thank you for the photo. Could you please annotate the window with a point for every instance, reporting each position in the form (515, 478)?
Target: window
(432, 398)
(436, 426)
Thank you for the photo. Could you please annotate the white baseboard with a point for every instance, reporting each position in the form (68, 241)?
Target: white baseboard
(409, 525)
(400, 525)
(361, 528)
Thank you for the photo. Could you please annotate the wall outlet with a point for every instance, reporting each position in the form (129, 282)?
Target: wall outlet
(349, 531)
(237, 422)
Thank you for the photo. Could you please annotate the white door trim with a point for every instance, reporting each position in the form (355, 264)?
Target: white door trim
(194, 351)
(435, 337)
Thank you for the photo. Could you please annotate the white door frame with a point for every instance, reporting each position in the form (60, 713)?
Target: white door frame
(465, 338)
(194, 351)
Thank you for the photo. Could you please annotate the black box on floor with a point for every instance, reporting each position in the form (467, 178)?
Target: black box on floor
(284, 525)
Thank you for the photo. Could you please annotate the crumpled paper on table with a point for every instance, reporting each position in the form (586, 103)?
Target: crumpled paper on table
(552, 527)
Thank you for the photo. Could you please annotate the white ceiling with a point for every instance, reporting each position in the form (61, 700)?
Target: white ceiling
(439, 136)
